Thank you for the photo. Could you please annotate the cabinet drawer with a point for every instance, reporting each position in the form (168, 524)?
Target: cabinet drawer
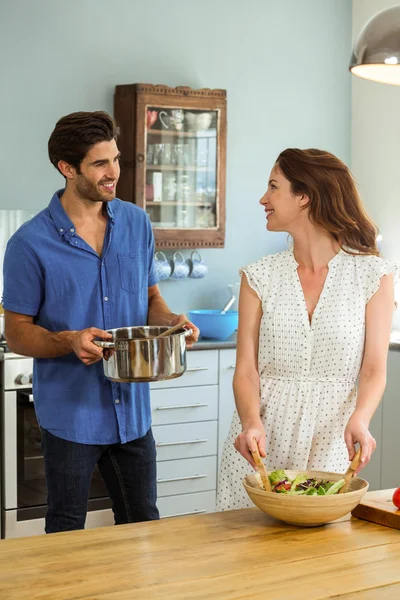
(188, 440)
(187, 504)
(186, 476)
(184, 405)
(226, 402)
(202, 369)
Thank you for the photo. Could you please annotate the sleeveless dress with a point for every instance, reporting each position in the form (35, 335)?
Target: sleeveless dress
(307, 371)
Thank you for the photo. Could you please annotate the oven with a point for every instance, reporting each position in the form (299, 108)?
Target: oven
(23, 483)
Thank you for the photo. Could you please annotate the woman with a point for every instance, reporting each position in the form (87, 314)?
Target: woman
(311, 321)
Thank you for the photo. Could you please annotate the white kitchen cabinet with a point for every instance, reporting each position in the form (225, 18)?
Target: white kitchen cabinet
(184, 405)
(191, 416)
(186, 440)
(226, 404)
(186, 504)
(202, 369)
(186, 476)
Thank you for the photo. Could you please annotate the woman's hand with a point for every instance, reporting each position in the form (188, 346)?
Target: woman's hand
(357, 431)
(246, 442)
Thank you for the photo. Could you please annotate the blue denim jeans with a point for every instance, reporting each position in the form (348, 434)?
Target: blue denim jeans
(128, 470)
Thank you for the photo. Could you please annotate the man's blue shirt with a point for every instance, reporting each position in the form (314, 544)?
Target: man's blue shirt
(53, 275)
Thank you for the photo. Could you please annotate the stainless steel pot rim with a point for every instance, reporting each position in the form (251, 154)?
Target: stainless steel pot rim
(115, 343)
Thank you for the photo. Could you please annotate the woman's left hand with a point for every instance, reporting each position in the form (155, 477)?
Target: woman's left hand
(191, 339)
(357, 431)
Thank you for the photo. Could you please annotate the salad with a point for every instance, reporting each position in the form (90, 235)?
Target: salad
(303, 485)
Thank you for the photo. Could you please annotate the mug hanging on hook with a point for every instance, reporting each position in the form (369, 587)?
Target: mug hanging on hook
(180, 268)
(162, 265)
(198, 268)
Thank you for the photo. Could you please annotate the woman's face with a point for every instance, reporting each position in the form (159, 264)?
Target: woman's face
(282, 207)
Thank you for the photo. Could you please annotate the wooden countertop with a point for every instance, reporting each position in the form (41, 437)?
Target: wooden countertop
(237, 554)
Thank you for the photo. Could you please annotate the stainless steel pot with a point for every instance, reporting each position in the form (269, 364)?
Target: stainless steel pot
(134, 355)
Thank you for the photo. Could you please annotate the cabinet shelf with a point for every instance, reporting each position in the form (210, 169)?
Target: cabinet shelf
(170, 203)
(177, 168)
(201, 133)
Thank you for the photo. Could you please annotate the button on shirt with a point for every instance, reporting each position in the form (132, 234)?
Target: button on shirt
(53, 275)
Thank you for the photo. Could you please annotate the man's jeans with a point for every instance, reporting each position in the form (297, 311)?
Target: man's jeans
(129, 472)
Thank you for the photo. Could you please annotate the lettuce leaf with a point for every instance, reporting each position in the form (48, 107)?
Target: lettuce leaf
(277, 476)
(334, 489)
(299, 479)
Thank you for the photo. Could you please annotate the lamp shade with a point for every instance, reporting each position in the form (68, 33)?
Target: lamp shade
(376, 53)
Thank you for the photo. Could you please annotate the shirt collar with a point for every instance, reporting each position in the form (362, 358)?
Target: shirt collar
(110, 210)
(334, 259)
(65, 226)
(61, 219)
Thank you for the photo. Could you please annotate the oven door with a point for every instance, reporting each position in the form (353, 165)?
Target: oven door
(31, 481)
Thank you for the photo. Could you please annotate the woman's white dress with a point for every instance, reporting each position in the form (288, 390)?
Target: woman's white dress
(307, 372)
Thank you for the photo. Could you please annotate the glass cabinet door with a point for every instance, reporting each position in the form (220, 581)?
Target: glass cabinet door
(181, 168)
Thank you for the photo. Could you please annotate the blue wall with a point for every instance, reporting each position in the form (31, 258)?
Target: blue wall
(283, 63)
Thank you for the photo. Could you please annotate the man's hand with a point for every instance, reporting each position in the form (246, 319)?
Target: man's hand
(191, 339)
(81, 343)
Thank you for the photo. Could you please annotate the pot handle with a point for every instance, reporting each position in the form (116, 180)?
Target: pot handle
(188, 332)
(104, 344)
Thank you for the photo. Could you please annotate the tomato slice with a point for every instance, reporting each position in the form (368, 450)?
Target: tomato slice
(282, 487)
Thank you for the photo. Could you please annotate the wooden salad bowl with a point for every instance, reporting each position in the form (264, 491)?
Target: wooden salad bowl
(306, 511)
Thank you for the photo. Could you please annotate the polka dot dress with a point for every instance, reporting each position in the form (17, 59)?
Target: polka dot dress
(308, 372)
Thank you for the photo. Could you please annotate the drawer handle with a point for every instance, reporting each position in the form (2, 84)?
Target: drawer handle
(197, 369)
(186, 514)
(187, 478)
(180, 406)
(160, 444)
(232, 367)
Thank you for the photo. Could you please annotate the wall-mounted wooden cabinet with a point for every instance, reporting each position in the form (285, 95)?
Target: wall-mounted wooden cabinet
(173, 147)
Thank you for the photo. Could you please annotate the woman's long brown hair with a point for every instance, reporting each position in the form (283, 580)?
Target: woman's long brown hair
(334, 201)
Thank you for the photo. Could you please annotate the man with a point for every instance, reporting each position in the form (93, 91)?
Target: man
(82, 266)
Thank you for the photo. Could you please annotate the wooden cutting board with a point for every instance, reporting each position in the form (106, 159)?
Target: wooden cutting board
(378, 508)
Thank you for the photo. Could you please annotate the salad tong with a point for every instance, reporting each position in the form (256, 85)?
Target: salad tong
(350, 471)
(261, 469)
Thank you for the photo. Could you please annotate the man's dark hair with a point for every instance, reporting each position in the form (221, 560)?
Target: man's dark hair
(76, 133)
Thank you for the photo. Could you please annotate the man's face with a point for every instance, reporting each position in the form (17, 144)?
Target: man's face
(99, 173)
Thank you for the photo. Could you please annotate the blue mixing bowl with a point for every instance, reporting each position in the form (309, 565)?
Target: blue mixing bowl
(213, 324)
